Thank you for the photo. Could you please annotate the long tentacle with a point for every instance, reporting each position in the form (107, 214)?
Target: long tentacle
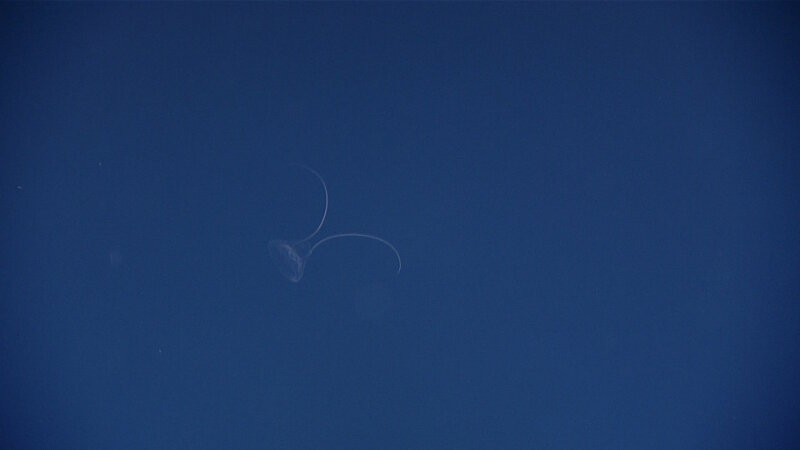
(368, 236)
(325, 211)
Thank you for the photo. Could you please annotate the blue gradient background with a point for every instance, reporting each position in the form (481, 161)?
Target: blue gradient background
(596, 205)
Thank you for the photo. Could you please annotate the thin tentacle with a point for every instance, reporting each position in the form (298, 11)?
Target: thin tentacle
(368, 236)
(325, 212)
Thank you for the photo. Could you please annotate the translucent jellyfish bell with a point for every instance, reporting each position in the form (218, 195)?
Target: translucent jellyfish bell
(290, 257)
(287, 259)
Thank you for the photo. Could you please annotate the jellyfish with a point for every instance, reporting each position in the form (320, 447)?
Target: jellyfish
(290, 257)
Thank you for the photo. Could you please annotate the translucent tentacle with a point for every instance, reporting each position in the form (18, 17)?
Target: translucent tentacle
(368, 236)
(324, 212)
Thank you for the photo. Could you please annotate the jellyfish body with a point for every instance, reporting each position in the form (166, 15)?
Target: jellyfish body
(290, 257)
(287, 259)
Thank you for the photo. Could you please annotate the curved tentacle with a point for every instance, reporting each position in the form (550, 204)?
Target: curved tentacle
(368, 236)
(325, 211)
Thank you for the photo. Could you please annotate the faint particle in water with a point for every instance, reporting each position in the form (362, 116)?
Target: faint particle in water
(290, 257)
(114, 257)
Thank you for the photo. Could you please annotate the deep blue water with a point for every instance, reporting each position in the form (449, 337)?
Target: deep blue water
(596, 207)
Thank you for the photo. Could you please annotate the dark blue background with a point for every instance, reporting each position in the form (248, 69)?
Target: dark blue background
(596, 205)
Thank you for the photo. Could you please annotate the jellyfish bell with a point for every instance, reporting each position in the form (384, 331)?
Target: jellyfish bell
(289, 258)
